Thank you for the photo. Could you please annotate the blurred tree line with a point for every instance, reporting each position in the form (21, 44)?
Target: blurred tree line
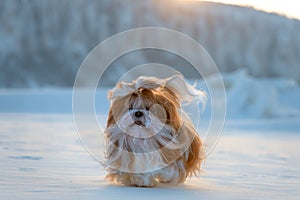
(44, 42)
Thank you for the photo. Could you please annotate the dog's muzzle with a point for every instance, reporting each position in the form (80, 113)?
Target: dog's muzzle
(139, 116)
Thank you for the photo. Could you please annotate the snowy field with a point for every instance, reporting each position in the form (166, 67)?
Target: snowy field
(257, 156)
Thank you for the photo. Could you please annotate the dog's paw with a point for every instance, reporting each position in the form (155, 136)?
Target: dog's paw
(141, 180)
(165, 181)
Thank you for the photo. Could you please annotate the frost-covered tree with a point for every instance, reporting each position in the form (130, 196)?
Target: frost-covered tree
(43, 42)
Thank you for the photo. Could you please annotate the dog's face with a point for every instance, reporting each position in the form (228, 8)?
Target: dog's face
(146, 111)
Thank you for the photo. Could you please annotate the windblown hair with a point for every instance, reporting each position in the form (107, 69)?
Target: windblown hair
(161, 143)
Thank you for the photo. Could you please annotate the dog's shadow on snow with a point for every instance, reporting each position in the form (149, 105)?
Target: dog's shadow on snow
(186, 191)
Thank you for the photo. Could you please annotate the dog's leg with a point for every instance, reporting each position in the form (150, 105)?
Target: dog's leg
(172, 173)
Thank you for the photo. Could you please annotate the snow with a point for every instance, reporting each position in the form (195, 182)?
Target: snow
(42, 158)
(257, 156)
(250, 97)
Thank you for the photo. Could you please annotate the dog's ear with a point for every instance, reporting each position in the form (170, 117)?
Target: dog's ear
(122, 89)
(195, 157)
(110, 93)
(195, 153)
(184, 91)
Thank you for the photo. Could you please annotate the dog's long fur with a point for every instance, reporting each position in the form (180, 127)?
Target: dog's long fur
(166, 148)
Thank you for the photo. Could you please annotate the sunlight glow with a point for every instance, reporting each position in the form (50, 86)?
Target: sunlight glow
(289, 8)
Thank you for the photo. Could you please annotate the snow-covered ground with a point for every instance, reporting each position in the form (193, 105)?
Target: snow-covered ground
(257, 156)
(42, 158)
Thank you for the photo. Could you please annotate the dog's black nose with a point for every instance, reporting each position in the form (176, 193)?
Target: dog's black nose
(138, 114)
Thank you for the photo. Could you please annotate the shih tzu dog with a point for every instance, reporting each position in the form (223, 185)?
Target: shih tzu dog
(149, 139)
